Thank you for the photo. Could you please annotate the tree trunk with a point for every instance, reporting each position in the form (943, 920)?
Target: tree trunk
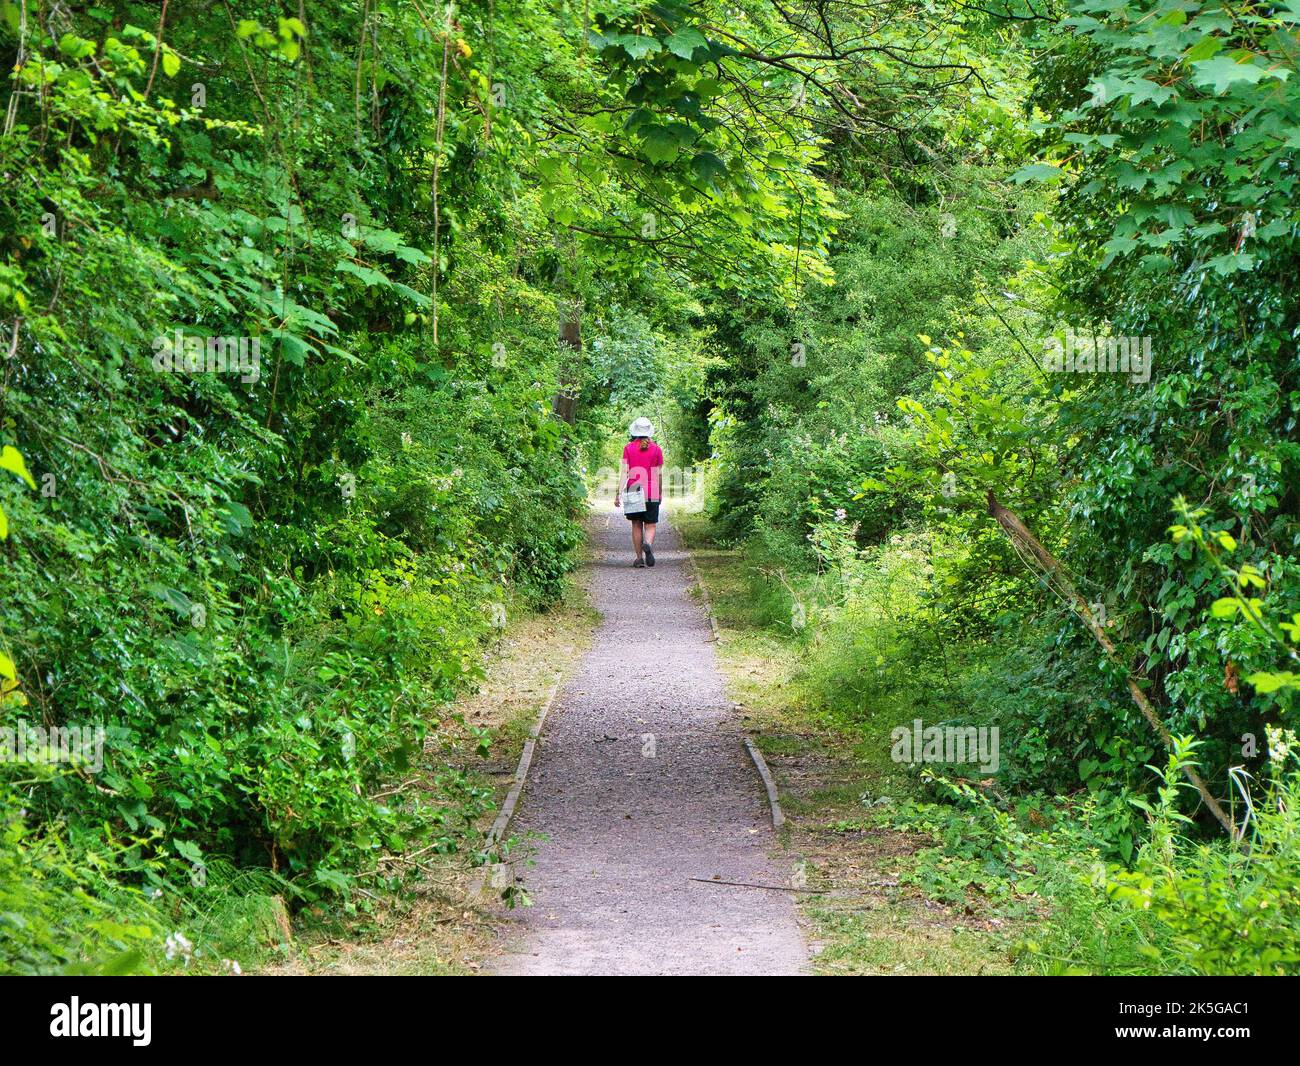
(565, 401)
(1026, 542)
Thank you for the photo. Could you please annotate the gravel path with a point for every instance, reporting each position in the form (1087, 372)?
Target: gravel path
(641, 783)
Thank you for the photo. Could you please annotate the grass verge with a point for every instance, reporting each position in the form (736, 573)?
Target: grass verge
(837, 785)
(444, 927)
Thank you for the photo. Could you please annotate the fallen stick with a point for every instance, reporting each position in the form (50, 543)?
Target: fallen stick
(751, 884)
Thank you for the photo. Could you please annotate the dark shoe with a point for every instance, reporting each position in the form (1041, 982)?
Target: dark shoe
(638, 564)
(649, 555)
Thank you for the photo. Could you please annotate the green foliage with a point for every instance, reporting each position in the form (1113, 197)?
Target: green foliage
(1173, 128)
(1228, 909)
(60, 905)
(863, 431)
(265, 584)
(314, 323)
(1153, 176)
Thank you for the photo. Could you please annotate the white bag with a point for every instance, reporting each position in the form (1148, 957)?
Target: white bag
(634, 500)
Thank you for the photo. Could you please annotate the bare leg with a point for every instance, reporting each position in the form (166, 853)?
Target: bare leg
(649, 532)
(636, 538)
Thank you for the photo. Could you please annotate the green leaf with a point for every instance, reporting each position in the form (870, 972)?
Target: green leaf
(1271, 682)
(1222, 72)
(121, 964)
(76, 47)
(1225, 608)
(11, 459)
(1036, 172)
(684, 42)
(1203, 49)
(1145, 90)
(187, 849)
(637, 46)
(236, 518)
(708, 167)
(417, 298)
(1231, 263)
(294, 349)
(171, 63)
(659, 143)
(173, 598)
(367, 274)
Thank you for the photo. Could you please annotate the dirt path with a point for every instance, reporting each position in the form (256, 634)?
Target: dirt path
(641, 783)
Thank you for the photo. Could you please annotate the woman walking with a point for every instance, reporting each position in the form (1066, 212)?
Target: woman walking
(639, 475)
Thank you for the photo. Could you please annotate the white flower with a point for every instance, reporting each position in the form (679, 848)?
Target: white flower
(1281, 742)
(232, 966)
(176, 944)
(841, 514)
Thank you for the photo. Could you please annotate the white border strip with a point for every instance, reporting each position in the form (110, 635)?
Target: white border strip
(704, 596)
(778, 815)
(507, 812)
(760, 764)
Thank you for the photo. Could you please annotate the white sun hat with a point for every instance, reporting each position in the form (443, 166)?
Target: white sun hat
(641, 427)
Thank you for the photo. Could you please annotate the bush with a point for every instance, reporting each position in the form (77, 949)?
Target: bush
(63, 909)
(1228, 908)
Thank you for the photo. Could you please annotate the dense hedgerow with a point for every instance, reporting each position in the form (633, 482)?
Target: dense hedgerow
(266, 583)
(860, 477)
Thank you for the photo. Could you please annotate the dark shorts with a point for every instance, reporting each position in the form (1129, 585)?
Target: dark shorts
(650, 514)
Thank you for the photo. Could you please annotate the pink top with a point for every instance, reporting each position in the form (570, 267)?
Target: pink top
(643, 467)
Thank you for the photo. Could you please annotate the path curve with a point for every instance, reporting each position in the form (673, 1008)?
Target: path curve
(641, 783)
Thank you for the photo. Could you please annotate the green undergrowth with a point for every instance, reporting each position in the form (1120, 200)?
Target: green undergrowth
(942, 869)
